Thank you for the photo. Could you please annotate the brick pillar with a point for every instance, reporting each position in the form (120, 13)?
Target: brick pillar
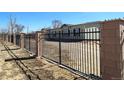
(6, 37)
(39, 41)
(9, 38)
(14, 38)
(22, 40)
(3, 36)
(122, 48)
(111, 49)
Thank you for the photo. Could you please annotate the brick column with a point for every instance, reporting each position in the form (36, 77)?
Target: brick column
(22, 40)
(111, 49)
(14, 38)
(39, 41)
(6, 37)
(3, 36)
(9, 38)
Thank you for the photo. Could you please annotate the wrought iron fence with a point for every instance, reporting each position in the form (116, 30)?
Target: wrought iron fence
(30, 42)
(12, 39)
(17, 36)
(78, 51)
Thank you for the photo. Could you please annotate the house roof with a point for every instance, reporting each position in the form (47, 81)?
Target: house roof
(64, 25)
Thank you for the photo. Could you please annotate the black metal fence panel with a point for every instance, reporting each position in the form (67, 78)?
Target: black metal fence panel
(12, 39)
(4, 35)
(30, 43)
(78, 51)
(8, 37)
(18, 39)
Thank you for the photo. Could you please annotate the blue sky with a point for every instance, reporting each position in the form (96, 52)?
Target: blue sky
(38, 20)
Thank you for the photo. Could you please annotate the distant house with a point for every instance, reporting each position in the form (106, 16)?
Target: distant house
(75, 32)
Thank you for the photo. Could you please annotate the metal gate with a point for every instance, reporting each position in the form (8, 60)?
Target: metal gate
(77, 49)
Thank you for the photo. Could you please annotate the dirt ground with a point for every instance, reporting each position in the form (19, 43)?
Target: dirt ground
(27, 68)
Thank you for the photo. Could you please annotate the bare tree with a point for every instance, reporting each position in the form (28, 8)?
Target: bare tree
(56, 23)
(13, 27)
(19, 28)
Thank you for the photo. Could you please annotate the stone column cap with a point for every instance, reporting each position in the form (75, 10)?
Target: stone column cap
(38, 31)
(22, 33)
